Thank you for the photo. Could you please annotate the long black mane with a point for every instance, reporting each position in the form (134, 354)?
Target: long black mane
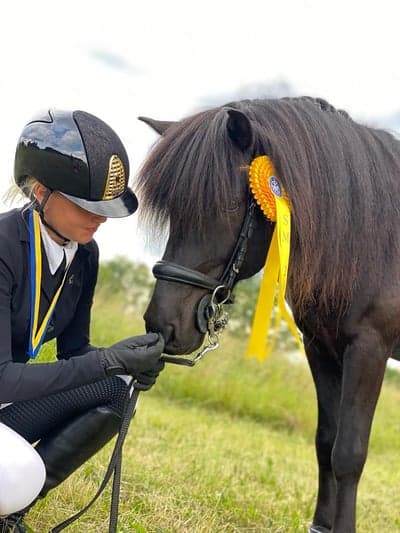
(342, 179)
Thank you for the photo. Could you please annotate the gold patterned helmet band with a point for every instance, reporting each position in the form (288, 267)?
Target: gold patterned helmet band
(115, 184)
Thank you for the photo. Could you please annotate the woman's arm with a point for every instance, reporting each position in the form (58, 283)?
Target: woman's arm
(20, 381)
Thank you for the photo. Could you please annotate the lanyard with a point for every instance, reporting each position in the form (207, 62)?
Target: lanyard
(38, 332)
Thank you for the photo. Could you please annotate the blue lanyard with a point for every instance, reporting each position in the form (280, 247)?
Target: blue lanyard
(38, 331)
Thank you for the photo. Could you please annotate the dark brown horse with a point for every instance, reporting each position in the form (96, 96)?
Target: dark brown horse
(343, 182)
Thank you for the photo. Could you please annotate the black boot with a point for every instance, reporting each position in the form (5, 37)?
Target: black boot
(66, 449)
(13, 524)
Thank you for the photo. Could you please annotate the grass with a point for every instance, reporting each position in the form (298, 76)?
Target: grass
(224, 446)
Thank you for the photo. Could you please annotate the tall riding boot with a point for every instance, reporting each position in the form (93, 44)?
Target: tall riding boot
(13, 524)
(67, 448)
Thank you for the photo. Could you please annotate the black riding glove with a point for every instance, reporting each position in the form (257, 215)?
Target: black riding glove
(138, 356)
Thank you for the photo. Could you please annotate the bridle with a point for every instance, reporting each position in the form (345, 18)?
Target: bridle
(211, 317)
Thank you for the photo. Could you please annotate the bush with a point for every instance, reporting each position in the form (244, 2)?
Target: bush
(131, 282)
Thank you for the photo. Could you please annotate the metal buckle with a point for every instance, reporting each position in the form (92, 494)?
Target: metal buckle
(217, 322)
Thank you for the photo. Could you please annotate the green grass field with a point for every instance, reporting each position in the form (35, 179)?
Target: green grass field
(226, 446)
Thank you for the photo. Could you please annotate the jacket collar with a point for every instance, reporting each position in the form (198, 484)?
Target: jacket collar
(22, 224)
(23, 231)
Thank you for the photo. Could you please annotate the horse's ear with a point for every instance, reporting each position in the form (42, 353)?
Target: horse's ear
(160, 126)
(239, 129)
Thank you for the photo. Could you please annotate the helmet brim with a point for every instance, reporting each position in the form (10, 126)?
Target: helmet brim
(119, 207)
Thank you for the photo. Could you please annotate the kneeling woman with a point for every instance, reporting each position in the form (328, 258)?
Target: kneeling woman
(75, 170)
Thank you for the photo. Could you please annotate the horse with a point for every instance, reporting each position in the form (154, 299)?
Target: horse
(342, 179)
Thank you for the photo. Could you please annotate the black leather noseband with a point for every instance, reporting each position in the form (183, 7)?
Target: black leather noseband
(168, 271)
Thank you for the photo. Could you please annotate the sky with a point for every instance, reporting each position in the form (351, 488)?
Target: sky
(166, 59)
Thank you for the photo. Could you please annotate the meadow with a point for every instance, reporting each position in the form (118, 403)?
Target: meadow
(226, 446)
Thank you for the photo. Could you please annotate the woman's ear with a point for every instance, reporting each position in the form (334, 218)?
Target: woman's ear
(38, 192)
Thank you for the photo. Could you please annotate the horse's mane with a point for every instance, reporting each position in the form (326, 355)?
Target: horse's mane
(342, 179)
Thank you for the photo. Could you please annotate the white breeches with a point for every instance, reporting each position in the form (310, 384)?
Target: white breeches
(22, 472)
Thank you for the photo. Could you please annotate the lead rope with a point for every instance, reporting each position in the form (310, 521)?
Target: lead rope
(114, 467)
(115, 495)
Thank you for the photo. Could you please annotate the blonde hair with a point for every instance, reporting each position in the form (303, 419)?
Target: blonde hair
(21, 192)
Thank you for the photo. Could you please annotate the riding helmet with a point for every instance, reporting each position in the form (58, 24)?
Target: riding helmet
(79, 156)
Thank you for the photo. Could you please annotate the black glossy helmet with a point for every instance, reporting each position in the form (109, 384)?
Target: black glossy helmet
(79, 156)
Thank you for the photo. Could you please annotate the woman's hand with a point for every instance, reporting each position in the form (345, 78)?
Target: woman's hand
(138, 356)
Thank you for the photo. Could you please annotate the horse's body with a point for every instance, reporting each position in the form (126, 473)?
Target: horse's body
(343, 183)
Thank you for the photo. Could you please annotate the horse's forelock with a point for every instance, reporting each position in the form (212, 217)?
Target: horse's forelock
(193, 172)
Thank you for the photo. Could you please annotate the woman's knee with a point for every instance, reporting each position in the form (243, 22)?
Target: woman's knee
(22, 472)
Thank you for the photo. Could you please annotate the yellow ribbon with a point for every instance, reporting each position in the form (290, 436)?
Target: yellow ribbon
(274, 203)
(37, 333)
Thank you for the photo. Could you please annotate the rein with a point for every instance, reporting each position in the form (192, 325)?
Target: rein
(211, 316)
(113, 469)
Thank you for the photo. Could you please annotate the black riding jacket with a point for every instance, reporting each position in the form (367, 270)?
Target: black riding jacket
(69, 323)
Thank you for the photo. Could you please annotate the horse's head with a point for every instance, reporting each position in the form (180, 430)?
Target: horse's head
(195, 180)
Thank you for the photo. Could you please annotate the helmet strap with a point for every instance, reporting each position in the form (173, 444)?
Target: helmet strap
(39, 206)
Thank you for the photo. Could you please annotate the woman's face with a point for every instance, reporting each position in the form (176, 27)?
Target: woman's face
(75, 223)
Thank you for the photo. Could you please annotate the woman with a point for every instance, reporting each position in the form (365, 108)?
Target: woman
(75, 170)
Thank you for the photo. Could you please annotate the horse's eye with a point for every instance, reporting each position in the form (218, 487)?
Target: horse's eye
(233, 206)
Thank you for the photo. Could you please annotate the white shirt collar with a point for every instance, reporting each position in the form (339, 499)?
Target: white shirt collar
(54, 251)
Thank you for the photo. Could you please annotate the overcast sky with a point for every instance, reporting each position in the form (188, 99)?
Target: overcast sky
(164, 59)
